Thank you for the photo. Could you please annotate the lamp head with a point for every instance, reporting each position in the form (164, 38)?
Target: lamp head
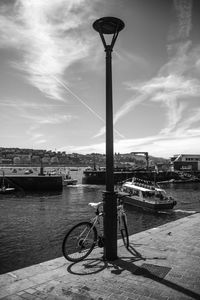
(108, 25)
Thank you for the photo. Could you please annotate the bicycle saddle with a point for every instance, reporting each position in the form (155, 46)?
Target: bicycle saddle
(95, 205)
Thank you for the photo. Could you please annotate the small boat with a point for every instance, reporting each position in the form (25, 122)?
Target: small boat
(28, 171)
(68, 180)
(6, 190)
(145, 195)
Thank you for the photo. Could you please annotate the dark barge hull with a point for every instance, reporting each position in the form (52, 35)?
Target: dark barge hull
(99, 177)
(33, 182)
(148, 206)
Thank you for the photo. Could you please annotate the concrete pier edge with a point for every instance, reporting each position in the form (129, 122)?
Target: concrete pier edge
(162, 263)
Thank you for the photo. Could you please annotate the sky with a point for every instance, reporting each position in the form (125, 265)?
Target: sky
(52, 76)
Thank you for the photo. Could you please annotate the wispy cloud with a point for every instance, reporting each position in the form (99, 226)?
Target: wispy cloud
(36, 125)
(37, 138)
(49, 33)
(36, 117)
(182, 23)
(176, 80)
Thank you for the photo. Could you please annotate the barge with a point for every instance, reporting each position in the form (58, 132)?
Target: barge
(99, 176)
(32, 182)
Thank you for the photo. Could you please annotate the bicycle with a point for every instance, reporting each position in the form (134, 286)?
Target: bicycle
(84, 236)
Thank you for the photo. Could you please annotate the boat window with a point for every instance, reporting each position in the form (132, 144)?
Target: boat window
(135, 192)
(160, 195)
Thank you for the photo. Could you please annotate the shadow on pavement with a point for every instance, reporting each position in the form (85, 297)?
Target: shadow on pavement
(121, 265)
(153, 272)
(87, 266)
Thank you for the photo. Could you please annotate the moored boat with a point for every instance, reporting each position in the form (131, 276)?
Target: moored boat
(6, 190)
(145, 195)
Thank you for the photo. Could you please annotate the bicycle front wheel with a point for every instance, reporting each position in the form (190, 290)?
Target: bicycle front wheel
(124, 231)
(79, 241)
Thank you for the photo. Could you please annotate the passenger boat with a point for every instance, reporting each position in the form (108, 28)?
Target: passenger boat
(145, 195)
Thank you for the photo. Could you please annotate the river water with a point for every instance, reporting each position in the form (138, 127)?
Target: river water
(32, 226)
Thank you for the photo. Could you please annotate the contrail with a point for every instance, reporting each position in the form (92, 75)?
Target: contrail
(80, 100)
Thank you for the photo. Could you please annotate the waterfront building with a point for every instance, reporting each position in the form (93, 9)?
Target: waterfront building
(186, 162)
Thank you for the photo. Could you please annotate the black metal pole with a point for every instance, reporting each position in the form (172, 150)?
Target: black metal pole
(109, 196)
(109, 26)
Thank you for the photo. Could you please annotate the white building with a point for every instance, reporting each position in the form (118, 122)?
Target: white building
(186, 162)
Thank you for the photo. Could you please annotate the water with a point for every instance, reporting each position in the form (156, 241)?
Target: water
(32, 226)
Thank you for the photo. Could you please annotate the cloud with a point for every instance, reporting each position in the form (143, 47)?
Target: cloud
(182, 24)
(36, 123)
(34, 111)
(129, 105)
(185, 129)
(177, 80)
(52, 35)
(37, 138)
(100, 133)
(36, 117)
(159, 146)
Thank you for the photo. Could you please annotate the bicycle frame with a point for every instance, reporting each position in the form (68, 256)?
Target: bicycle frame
(93, 221)
(96, 220)
(120, 213)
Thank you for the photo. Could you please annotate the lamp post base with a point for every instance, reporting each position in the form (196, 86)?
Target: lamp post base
(110, 225)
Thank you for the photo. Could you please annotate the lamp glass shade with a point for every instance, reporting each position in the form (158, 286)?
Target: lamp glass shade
(108, 25)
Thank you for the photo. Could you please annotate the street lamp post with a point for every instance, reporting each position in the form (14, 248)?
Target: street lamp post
(111, 26)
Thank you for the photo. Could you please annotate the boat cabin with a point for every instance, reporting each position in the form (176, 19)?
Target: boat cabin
(144, 193)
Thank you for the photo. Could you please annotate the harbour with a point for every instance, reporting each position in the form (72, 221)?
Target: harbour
(77, 131)
(34, 224)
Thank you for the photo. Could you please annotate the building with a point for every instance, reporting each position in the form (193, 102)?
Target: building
(186, 162)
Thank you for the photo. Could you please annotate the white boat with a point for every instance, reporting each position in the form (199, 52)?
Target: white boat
(145, 195)
(6, 190)
(68, 180)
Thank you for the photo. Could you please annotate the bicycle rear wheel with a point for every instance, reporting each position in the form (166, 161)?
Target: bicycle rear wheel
(79, 241)
(124, 231)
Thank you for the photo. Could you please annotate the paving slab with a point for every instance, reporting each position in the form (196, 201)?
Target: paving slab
(161, 263)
